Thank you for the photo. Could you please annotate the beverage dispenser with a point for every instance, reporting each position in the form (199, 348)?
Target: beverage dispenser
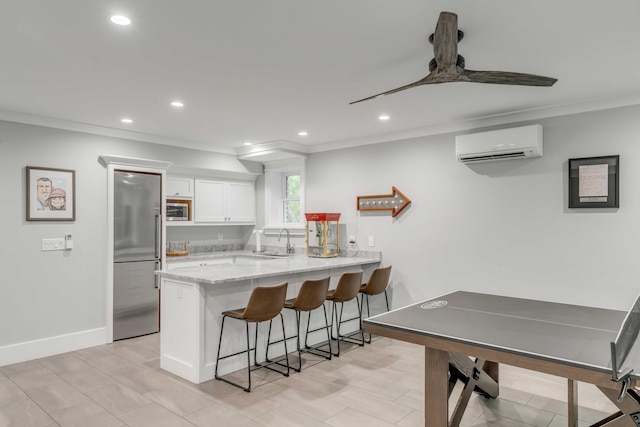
(322, 234)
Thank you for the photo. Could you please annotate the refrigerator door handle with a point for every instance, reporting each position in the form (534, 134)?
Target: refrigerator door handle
(156, 283)
(158, 235)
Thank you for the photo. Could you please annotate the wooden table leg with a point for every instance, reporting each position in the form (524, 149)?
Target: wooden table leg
(629, 409)
(436, 385)
(463, 400)
(472, 374)
(493, 370)
(572, 401)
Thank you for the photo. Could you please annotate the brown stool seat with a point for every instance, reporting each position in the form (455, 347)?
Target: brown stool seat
(311, 296)
(236, 314)
(378, 281)
(346, 290)
(377, 284)
(265, 303)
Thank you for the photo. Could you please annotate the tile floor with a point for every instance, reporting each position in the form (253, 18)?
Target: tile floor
(379, 385)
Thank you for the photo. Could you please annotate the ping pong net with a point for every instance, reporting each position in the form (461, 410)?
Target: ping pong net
(625, 340)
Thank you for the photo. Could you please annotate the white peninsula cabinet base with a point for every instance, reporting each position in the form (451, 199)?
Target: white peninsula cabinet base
(191, 315)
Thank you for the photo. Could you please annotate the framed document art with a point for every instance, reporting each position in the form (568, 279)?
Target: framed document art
(593, 182)
(51, 194)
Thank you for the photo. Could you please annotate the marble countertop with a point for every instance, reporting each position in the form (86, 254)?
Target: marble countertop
(213, 255)
(254, 266)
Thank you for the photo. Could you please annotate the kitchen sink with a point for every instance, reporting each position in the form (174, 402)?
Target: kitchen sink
(255, 258)
(273, 254)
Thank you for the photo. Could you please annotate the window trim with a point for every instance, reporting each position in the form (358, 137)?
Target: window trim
(274, 192)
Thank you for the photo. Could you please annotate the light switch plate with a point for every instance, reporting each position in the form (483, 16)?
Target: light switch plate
(372, 241)
(53, 244)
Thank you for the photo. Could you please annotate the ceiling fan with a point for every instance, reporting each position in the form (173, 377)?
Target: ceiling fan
(448, 66)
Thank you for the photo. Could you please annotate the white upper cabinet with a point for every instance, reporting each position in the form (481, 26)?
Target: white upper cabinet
(226, 202)
(179, 187)
(209, 201)
(240, 202)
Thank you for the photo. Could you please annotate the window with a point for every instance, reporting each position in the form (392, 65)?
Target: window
(291, 199)
(284, 194)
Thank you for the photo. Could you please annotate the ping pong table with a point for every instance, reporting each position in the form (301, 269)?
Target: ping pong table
(575, 342)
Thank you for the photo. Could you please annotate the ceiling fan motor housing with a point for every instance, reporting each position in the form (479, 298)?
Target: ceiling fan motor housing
(433, 64)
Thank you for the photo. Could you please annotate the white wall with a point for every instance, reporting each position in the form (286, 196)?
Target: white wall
(495, 227)
(54, 301)
(501, 227)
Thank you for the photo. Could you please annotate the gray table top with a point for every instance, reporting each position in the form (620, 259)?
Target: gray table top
(564, 333)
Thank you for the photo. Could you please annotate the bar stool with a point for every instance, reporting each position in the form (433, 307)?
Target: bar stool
(346, 290)
(312, 295)
(377, 284)
(265, 303)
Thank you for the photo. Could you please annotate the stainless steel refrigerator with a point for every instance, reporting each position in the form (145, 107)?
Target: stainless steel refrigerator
(137, 253)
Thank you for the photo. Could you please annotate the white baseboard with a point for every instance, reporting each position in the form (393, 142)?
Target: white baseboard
(30, 350)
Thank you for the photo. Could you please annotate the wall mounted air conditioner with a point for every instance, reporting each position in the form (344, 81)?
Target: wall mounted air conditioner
(513, 143)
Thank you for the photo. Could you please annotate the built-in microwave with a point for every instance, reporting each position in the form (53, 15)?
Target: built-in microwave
(178, 211)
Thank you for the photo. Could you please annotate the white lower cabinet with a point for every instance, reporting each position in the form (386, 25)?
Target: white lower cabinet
(224, 202)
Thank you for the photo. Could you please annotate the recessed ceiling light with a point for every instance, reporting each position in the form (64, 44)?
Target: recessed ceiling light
(303, 133)
(126, 120)
(384, 117)
(120, 20)
(178, 104)
(247, 143)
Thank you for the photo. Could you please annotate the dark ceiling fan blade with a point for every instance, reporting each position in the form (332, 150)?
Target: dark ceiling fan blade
(445, 48)
(448, 66)
(506, 78)
(445, 41)
(423, 81)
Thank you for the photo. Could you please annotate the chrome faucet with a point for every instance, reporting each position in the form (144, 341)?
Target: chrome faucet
(289, 248)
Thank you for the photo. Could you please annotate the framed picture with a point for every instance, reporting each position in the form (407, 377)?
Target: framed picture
(51, 194)
(593, 182)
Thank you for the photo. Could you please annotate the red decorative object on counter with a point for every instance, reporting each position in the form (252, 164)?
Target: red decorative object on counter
(323, 235)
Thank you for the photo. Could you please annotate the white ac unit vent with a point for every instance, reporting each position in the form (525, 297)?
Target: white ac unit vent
(513, 143)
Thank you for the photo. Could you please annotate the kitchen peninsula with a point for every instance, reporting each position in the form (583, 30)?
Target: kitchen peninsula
(193, 298)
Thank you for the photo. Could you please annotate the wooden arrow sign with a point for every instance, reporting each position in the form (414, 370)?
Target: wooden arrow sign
(394, 202)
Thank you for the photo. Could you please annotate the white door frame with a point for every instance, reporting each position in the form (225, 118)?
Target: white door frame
(114, 163)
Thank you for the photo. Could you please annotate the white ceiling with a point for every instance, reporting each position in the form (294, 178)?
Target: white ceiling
(261, 70)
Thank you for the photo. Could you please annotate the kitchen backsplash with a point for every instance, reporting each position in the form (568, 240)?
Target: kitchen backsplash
(214, 247)
(203, 246)
(207, 246)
